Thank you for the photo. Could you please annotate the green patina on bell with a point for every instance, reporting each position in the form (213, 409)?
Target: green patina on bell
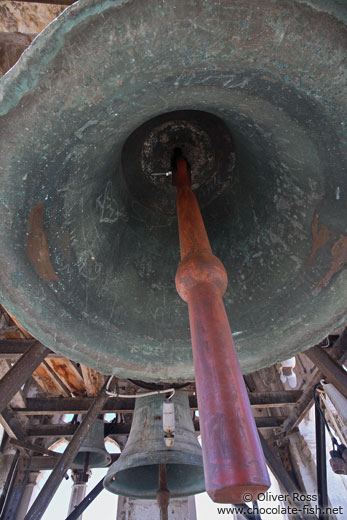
(135, 473)
(255, 95)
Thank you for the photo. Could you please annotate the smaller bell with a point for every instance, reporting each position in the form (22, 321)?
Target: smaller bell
(153, 442)
(94, 446)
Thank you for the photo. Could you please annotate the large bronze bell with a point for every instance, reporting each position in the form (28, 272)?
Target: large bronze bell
(135, 473)
(92, 453)
(254, 92)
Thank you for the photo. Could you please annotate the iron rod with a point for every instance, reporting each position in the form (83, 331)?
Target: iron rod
(234, 463)
(321, 464)
(163, 494)
(15, 378)
(46, 494)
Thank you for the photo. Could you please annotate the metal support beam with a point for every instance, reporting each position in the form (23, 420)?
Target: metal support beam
(39, 463)
(322, 486)
(80, 405)
(15, 348)
(34, 448)
(332, 370)
(67, 430)
(20, 372)
(11, 424)
(44, 498)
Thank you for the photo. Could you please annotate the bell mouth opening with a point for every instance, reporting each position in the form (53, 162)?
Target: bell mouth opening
(142, 481)
(206, 143)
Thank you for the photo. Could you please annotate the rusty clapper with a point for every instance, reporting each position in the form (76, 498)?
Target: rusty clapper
(234, 463)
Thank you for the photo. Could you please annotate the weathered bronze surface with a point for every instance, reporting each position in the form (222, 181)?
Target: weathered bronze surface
(87, 267)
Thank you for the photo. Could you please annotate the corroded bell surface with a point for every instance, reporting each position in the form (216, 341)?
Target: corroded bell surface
(94, 445)
(136, 472)
(254, 93)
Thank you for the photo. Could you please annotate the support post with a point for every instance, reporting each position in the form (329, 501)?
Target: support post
(95, 492)
(80, 479)
(233, 459)
(44, 498)
(15, 378)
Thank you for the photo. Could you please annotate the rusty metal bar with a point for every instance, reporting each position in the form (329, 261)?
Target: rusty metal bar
(329, 367)
(234, 463)
(15, 378)
(163, 494)
(46, 494)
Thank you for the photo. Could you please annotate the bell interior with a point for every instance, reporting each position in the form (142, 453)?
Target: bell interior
(96, 459)
(89, 241)
(142, 481)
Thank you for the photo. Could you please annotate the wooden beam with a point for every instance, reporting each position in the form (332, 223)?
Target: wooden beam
(68, 374)
(332, 370)
(51, 430)
(79, 405)
(338, 352)
(93, 380)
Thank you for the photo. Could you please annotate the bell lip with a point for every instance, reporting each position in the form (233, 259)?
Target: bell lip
(102, 464)
(113, 486)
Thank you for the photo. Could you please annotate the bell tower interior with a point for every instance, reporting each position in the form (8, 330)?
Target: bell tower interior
(173, 259)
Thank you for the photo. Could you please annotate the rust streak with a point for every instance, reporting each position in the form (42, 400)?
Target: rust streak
(339, 254)
(68, 374)
(45, 380)
(37, 245)
(320, 236)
